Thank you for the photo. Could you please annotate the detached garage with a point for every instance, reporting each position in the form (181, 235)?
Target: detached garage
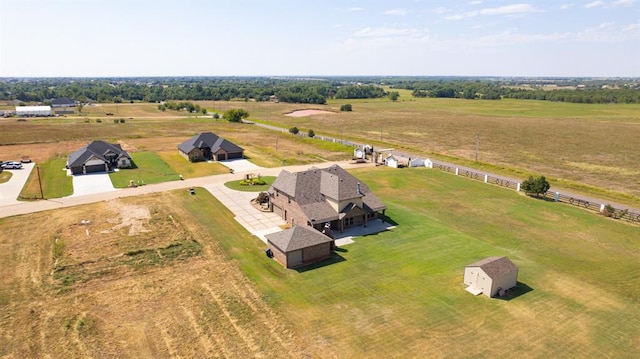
(491, 276)
(299, 246)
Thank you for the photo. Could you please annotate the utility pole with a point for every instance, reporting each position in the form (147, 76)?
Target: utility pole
(39, 182)
(477, 145)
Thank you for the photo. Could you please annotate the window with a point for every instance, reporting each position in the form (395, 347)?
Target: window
(348, 222)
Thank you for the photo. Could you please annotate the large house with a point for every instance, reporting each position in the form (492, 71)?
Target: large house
(299, 245)
(320, 198)
(209, 146)
(98, 156)
(491, 276)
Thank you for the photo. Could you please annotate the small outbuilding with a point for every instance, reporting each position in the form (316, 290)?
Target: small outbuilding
(209, 146)
(299, 246)
(491, 276)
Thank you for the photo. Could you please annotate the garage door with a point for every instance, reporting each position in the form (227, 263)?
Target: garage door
(294, 258)
(277, 210)
(234, 155)
(95, 168)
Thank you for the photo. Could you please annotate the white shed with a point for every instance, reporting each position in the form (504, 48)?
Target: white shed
(391, 161)
(33, 111)
(491, 276)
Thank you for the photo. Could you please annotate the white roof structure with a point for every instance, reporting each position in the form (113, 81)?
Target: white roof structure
(33, 110)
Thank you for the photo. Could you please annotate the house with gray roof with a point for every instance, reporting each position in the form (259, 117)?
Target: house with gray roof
(491, 276)
(208, 146)
(299, 245)
(324, 197)
(98, 156)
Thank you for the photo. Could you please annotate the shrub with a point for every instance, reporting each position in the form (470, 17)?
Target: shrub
(294, 130)
(311, 134)
(535, 186)
(346, 107)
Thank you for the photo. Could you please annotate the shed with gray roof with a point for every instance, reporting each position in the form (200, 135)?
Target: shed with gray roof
(299, 245)
(491, 276)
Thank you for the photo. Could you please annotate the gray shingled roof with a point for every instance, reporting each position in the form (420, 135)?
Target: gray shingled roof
(210, 140)
(495, 267)
(309, 189)
(296, 238)
(95, 149)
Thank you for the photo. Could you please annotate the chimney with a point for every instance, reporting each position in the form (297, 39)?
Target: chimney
(358, 185)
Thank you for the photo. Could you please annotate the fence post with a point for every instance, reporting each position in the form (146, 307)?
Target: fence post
(486, 178)
(456, 171)
(518, 187)
(556, 198)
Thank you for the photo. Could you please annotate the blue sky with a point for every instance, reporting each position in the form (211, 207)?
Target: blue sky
(319, 38)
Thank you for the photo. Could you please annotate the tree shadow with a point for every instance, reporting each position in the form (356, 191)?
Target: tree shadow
(519, 290)
(335, 258)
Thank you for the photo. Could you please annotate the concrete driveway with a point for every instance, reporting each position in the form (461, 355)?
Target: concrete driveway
(91, 183)
(10, 190)
(241, 165)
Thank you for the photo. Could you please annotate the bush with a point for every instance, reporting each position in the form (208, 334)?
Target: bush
(311, 134)
(535, 186)
(346, 107)
(294, 130)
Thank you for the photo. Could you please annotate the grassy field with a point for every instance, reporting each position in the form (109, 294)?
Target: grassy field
(149, 168)
(190, 169)
(54, 179)
(394, 294)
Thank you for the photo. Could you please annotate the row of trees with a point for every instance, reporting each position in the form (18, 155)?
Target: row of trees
(315, 90)
(182, 106)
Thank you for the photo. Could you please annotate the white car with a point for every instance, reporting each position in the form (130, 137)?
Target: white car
(12, 165)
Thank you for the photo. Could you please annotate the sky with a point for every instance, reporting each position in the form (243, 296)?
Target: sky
(128, 38)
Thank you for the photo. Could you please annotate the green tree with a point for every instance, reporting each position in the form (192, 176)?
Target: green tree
(346, 107)
(294, 130)
(311, 134)
(535, 186)
(393, 96)
(236, 115)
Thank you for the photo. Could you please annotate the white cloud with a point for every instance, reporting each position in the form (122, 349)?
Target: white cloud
(609, 5)
(515, 9)
(567, 6)
(396, 12)
(476, 2)
(594, 4)
(354, 9)
(623, 2)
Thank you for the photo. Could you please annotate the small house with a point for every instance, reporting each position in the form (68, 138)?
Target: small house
(299, 246)
(209, 146)
(98, 156)
(491, 276)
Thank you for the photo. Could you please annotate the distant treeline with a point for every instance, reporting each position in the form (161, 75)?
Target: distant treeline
(312, 90)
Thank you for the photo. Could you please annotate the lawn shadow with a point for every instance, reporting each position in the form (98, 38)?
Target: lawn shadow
(519, 290)
(335, 258)
(390, 220)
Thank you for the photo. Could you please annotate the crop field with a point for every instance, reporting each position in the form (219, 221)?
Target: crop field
(175, 275)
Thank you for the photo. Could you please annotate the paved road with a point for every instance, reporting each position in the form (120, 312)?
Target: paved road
(56, 203)
(10, 190)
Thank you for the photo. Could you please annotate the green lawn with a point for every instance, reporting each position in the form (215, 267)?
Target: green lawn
(54, 179)
(238, 186)
(190, 169)
(149, 168)
(400, 293)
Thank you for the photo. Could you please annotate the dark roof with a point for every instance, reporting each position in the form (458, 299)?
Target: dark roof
(296, 238)
(310, 189)
(209, 140)
(63, 101)
(95, 149)
(495, 267)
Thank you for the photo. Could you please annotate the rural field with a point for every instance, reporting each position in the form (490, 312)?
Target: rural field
(174, 275)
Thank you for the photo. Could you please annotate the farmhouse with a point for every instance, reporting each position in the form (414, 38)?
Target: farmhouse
(208, 146)
(33, 111)
(98, 156)
(316, 197)
(299, 245)
(491, 276)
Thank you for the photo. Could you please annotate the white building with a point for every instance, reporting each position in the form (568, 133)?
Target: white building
(33, 111)
(491, 276)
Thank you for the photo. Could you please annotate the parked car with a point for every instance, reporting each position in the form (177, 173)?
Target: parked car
(12, 165)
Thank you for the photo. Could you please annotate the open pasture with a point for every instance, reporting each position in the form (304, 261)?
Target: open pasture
(191, 282)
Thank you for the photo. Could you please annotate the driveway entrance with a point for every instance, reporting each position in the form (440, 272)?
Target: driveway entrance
(91, 183)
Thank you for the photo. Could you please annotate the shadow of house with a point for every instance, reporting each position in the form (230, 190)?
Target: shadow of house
(519, 290)
(208, 146)
(98, 156)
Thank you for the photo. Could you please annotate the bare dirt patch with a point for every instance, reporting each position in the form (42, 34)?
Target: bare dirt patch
(305, 113)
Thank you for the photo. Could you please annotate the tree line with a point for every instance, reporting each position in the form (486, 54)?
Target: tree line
(311, 90)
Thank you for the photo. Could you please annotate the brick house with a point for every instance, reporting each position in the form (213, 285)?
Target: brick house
(209, 146)
(330, 195)
(98, 156)
(299, 245)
